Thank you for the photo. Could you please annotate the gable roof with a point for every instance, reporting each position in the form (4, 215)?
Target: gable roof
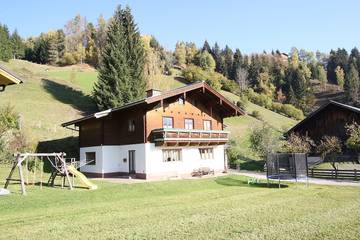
(168, 94)
(8, 78)
(331, 102)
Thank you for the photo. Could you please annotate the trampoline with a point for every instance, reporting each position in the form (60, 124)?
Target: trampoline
(286, 166)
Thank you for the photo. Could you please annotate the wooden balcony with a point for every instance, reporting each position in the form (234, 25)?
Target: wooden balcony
(188, 137)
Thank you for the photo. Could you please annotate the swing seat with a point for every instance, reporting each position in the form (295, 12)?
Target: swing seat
(4, 192)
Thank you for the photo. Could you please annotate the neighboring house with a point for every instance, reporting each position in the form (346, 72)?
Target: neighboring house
(329, 120)
(7, 78)
(164, 135)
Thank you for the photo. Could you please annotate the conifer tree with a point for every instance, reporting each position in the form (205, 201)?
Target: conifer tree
(5, 43)
(17, 46)
(352, 84)
(206, 47)
(121, 77)
(237, 63)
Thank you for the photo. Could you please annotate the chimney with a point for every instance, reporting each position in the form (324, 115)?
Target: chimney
(153, 93)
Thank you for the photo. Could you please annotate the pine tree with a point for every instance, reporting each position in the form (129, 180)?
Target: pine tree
(60, 43)
(237, 63)
(219, 61)
(121, 69)
(228, 56)
(17, 45)
(52, 48)
(352, 84)
(5, 43)
(206, 47)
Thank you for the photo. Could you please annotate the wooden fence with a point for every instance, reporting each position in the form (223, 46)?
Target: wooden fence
(335, 174)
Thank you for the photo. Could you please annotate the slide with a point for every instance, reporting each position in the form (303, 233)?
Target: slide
(82, 178)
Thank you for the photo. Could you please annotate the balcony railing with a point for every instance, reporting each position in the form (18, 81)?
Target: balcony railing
(175, 136)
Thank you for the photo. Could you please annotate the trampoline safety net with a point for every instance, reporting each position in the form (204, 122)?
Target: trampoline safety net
(286, 165)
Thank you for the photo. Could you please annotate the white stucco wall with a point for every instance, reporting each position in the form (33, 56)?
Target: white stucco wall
(156, 167)
(97, 168)
(110, 159)
(149, 160)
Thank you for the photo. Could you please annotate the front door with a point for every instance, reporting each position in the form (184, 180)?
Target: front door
(131, 161)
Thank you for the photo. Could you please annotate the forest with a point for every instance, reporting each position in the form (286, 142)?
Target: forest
(279, 81)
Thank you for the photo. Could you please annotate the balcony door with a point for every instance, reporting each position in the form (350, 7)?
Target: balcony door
(131, 161)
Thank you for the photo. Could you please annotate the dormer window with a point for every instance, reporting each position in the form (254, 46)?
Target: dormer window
(181, 101)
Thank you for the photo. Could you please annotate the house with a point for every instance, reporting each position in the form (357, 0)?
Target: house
(7, 78)
(329, 120)
(164, 135)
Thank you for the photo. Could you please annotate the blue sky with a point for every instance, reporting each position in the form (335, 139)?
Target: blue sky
(252, 26)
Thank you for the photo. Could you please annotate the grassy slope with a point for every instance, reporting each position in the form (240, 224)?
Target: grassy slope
(221, 208)
(240, 127)
(52, 95)
(48, 98)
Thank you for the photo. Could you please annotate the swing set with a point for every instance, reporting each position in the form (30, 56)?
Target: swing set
(59, 167)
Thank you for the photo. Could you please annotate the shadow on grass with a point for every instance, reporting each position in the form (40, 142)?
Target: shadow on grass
(69, 95)
(230, 181)
(68, 145)
(252, 165)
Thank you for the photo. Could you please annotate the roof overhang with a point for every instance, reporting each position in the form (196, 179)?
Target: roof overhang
(235, 110)
(8, 78)
(334, 103)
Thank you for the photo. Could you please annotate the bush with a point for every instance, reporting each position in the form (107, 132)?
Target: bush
(11, 138)
(276, 107)
(296, 143)
(353, 131)
(259, 99)
(69, 59)
(256, 114)
(230, 86)
(196, 74)
(292, 111)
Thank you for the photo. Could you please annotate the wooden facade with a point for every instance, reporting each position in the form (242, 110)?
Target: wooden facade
(328, 120)
(198, 102)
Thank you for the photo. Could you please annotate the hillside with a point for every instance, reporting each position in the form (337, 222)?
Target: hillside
(323, 95)
(53, 95)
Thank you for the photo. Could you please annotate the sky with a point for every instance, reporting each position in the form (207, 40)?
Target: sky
(252, 26)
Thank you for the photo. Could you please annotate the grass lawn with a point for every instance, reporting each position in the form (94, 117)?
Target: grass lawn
(218, 208)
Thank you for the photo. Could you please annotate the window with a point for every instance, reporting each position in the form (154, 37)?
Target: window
(206, 153)
(189, 123)
(207, 125)
(131, 126)
(171, 155)
(168, 122)
(90, 158)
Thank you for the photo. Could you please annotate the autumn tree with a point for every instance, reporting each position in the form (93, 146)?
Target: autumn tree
(340, 77)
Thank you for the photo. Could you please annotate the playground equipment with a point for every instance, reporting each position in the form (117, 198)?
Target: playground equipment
(59, 167)
(85, 181)
(286, 166)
